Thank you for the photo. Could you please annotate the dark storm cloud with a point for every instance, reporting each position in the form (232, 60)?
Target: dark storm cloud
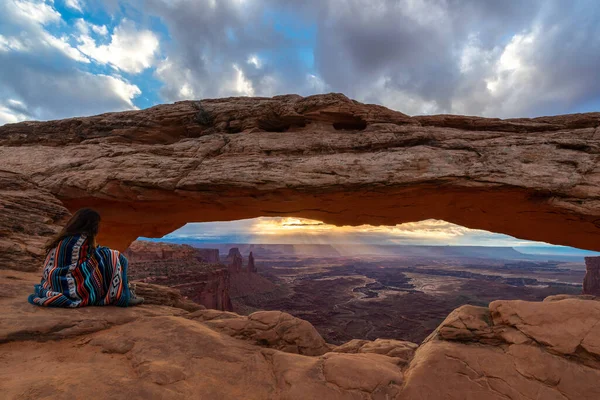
(418, 56)
(484, 57)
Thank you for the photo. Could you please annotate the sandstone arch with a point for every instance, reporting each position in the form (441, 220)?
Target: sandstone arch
(324, 157)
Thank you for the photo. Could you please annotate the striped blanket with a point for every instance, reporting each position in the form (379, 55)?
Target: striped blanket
(76, 275)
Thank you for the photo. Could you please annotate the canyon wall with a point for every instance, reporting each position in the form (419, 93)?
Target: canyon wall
(184, 268)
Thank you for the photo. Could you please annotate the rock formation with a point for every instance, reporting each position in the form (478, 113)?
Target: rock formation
(509, 350)
(400, 349)
(145, 251)
(234, 261)
(513, 349)
(272, 329)
(181, 267)
(591, 282)
(251, 267)
(324, 157)
(29, 217)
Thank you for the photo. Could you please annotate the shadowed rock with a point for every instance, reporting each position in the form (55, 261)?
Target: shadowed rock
(591, 281)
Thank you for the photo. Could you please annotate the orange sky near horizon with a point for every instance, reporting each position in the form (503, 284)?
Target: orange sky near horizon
(292, 230)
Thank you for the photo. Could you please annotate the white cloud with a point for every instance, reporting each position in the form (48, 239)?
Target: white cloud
(29, 34)
(12, 111)
(122, 89)
(11, 43)
(84, 27)
(63, 45)
(254, 60)
(129, 50)
(38, 11)
(76, 5)
(239, 85)
(40, 75)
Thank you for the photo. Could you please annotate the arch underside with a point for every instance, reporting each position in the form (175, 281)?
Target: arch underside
(512, 211)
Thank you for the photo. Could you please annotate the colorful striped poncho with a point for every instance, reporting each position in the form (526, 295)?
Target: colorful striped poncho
(77, 275)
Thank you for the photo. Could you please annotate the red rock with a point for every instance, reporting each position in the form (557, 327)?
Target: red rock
(184, 268)
(234, 260)
(591, 281)
(251, 267)
(323, 157)
(29, 217)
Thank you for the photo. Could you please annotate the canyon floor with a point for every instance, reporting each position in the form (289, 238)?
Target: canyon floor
(396, 297)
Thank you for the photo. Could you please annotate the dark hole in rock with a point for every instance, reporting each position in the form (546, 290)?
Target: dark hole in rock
(354, 124)
(281, 124)
(574, 146)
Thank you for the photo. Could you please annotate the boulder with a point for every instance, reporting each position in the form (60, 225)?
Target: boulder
(400, 349)
(272, 329)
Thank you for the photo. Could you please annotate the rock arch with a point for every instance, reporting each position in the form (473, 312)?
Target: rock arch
(324, 157)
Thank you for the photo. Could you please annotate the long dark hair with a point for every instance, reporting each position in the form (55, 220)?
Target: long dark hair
(84, 222)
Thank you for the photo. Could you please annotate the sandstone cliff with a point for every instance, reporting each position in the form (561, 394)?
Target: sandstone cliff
(184, 268)
(324, 157)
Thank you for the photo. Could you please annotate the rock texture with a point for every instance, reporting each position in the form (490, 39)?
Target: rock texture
(400, 349)
(273, 329)
(156, 351)
(146, 251)
(591, 281)
(324, 157)
(251, 266)
(512, 350)
(29, 217)
(162, 295)
(234, 261)
(183, 268)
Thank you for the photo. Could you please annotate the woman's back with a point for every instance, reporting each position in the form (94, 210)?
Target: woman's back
(78, 273)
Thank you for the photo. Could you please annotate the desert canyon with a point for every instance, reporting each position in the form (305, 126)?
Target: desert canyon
(324, 157)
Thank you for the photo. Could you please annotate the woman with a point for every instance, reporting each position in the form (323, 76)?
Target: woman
(79, 273)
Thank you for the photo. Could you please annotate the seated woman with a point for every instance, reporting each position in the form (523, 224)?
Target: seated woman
(79, 273)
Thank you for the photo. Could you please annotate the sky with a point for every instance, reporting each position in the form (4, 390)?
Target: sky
(510, 58)
(290, 230)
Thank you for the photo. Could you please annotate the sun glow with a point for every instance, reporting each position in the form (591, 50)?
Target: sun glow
(428, 229)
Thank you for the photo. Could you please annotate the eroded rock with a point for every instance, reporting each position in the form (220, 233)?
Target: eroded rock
(272, 329)
(29, 217)
(323, 157)
(400, 349)
(591, 281)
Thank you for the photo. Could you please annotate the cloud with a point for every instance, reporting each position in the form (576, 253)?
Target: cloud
(301, 230)
(76, 5)
(84, 28)
(478, 57)
(489, 58)
(130, 50)
(41, 73)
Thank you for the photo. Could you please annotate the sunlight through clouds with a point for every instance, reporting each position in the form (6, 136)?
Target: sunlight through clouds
(428, 229)
(291, 230)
